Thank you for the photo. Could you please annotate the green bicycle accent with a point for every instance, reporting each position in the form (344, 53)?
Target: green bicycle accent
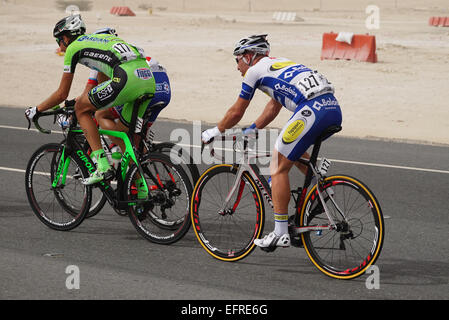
(127, 156)
(63, 167)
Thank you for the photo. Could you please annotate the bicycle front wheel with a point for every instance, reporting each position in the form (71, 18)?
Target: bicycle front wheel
(227, 233)
(61, 207)
(347, 251)
(164, 218)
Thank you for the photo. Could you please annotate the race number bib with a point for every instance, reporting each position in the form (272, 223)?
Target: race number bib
(125, 51)
(313, 84)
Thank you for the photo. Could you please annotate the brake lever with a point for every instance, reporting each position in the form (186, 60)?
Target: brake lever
(29, 122)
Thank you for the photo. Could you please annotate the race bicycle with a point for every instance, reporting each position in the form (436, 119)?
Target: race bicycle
(337, 219)
(59, 199)
(145, 144)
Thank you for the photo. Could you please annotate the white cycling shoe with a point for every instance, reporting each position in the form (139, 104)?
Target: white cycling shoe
(98, 176)
(270, 242)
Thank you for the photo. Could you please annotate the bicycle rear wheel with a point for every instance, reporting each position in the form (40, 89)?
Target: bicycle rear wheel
(164, 219)
(62, 207)
(349, 250)
(181, 156)
(229, 234)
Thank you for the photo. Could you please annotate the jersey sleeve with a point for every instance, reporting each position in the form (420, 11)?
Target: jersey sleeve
(250, 83)
(93, 77)
(70, 60)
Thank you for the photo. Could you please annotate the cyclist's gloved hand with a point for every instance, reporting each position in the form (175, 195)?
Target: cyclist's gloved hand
(207, 136)
(251, 129)
(30, 113)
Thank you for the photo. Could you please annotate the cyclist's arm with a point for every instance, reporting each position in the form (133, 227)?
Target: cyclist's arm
(269, 114)
(234, 114)
(59, 95)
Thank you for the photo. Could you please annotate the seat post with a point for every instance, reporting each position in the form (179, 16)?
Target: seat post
(316, 149)
(312, 161)
(133, 121)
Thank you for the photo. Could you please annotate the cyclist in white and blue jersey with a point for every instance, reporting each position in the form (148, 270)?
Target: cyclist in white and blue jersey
(306, 93)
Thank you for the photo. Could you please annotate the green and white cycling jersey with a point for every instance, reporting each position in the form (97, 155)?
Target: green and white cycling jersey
(129, 74)
(101, 52)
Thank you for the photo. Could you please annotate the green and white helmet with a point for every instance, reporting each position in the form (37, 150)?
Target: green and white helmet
(71, 25)
(256, 43)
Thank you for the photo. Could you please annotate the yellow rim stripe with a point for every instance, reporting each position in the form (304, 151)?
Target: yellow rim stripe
(380, 229)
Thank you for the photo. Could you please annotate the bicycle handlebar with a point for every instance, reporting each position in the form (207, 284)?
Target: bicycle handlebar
(245, 137)
(55, 111)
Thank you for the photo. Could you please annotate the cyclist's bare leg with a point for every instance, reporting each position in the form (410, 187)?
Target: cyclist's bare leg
(280, 188)
(280, 191)
(280, 183)
(302, 167)
(84, 110)
(106, 121)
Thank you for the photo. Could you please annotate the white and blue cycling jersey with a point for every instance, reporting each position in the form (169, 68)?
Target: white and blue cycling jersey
(307, 93)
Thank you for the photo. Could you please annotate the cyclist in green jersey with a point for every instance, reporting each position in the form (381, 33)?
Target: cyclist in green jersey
(122, 64)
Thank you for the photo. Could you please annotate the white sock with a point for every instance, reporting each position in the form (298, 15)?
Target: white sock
(280, 223)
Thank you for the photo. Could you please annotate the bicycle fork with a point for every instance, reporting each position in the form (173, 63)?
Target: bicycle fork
(238, 183)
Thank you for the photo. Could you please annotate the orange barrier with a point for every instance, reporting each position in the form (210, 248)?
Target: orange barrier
(362, 48)
(114, 10)
(122, 11)
(59, 52)
(439, 21)
(446, 22)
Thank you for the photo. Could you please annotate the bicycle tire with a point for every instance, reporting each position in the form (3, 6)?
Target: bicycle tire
(98, 199)
(227, 237)
(156, 222)
(346, 253)
(186, 160)
(46, 203)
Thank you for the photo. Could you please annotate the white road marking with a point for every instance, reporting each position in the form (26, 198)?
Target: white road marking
(382, 165)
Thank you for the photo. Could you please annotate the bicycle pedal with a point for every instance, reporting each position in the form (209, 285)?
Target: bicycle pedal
(268, 249)
(296, 242)
(141, 214)
(109, 175)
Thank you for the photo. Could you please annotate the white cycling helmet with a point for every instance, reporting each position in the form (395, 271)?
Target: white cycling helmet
(256, 43)
(71, 25)
(106, 30)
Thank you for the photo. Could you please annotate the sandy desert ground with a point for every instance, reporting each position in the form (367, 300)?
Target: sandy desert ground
(405, 96)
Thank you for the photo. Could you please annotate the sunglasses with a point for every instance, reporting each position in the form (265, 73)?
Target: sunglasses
(58, 40)
(238, 58)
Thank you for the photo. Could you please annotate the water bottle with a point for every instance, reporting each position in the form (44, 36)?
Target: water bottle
(116, 156)
(63, 122)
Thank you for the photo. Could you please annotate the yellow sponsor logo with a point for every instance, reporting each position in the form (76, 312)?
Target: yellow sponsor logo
(280, 65)
(293, 131)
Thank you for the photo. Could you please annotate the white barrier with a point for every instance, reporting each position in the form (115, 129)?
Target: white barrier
(284, 16)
